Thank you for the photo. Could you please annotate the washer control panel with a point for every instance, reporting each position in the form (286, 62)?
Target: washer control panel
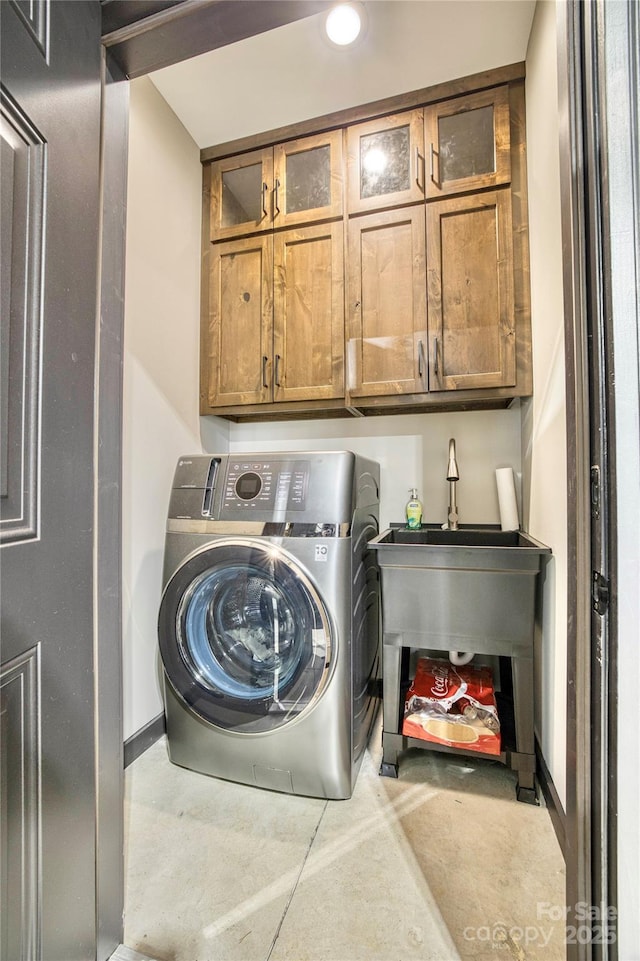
(262, 485)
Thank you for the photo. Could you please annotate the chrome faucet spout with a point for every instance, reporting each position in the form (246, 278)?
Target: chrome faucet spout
(453, 476)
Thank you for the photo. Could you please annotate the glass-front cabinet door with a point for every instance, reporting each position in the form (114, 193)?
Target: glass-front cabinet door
(241, 194)
(386, 162)
(307, 180)
(468, 143)
(297, 182)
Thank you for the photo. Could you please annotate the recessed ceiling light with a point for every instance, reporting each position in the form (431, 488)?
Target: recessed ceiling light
(344, 23)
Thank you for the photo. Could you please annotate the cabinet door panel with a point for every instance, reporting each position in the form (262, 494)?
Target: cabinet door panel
(308, 182)
(468, 143)
(241, 322)
(309, 313)
(387, 303)
(470, 289)
(240, 189)
(386, 162)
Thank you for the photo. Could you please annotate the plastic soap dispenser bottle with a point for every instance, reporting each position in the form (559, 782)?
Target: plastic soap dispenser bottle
(413, 511)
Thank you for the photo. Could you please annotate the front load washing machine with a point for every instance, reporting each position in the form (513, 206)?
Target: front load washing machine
(269, 619)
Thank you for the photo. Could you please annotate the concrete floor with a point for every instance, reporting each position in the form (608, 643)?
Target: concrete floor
(439, 865)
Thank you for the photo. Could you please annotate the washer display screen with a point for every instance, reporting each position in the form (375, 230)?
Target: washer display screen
(248, 486)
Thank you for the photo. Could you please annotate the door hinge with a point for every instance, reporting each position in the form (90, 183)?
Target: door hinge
(599, 593)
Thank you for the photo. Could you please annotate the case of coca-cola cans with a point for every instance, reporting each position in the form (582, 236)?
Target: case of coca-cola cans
(452, 705)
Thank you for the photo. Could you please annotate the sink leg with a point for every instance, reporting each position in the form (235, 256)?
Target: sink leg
(525, 757)
(391, 748)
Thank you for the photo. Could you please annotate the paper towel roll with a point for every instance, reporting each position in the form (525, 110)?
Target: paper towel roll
(507, 499)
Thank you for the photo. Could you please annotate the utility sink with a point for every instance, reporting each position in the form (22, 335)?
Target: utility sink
(463, 537)
(468, 590)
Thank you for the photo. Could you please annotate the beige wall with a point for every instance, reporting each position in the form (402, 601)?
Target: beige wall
(160, 403)
(543, 417)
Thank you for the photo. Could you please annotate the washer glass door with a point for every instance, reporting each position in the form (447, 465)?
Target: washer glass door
(244, 637)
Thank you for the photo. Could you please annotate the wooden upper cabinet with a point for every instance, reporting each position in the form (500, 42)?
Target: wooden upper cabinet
(387, 310)
(468, 143)
(385, 161)
(470, 292)
(308, 345)
(241, 194)
(238, 341)
(308, 180)
(275, 328)
(297, 182)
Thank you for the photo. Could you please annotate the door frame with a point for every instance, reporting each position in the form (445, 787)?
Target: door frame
(598, 68)
(580, 749)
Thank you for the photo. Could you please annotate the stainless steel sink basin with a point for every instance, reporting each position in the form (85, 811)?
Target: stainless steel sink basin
(463, 537)
(468, 590)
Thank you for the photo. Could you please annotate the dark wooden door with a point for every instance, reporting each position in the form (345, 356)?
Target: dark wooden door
(51, 93)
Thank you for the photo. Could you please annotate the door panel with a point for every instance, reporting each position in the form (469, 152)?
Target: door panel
(240, 194)
(308, 180)
(239, 341)
(50, 223)
(23, 184)
(470, 284)
(386, 162)
(468, 143)
(309, 313)
(387, 303)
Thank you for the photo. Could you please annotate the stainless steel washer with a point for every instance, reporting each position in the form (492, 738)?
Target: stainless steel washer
(269, 620)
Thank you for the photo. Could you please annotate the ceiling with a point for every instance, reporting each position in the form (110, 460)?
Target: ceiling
(292, 73)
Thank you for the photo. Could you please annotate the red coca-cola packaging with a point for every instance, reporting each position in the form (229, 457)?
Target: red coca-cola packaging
(452, 705)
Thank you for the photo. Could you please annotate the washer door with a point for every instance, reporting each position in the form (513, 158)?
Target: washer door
(244, 638)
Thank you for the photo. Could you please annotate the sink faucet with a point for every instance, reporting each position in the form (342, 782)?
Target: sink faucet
(453, 476)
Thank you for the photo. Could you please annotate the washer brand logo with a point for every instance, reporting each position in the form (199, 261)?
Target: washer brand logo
(322, 552)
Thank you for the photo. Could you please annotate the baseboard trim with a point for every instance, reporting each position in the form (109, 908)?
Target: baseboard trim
(139, 742)
(553, 802)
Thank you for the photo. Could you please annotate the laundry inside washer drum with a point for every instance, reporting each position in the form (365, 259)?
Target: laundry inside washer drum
(246, 635)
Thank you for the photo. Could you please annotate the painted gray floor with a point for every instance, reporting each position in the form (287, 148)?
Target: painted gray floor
(439, 865)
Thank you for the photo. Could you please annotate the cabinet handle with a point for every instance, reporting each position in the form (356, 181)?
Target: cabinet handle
(276, 373)
(420, 356)
(264, 199)
(264, 371)
(432, 164)
(419, 184)
(276, 201)
(435, 355)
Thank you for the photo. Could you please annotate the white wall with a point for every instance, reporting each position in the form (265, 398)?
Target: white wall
(161, 370)
(412, 450)
(543, 417)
